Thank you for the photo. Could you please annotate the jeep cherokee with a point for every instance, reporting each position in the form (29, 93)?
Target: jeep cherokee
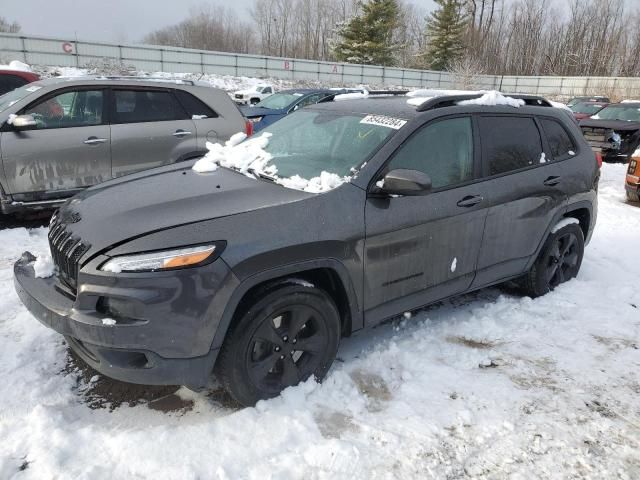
(170, 275)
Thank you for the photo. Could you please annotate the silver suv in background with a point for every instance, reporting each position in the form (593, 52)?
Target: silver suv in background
(59, 136)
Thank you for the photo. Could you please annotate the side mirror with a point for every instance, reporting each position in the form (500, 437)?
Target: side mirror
(405, 182)
(22, 122)
(296, 107)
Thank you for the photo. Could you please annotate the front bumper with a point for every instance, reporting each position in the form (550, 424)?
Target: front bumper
(164, 327)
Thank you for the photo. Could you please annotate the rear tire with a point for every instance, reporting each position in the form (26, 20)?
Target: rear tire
(558, 262)
(282, 339)
(633, 197)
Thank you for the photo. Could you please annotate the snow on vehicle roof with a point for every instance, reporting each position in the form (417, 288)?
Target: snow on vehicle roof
(350, 96)
(16, 66)
(490, 98)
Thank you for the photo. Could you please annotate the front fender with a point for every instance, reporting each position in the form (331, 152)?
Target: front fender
(289, 270)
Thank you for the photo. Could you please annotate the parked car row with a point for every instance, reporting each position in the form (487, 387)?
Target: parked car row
(612, 129)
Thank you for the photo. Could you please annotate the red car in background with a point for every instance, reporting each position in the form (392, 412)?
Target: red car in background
(584, 110)
(12, 79)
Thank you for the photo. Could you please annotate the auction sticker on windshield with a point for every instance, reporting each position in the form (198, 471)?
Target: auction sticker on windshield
(384, 121)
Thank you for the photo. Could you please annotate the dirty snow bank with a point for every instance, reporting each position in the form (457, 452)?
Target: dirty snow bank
(485, 386)
(249, 158)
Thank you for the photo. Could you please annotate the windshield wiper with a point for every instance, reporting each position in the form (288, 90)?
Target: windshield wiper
(262, 175)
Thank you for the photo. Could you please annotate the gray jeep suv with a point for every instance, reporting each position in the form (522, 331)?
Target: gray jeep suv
(61, 135)
(352, 213)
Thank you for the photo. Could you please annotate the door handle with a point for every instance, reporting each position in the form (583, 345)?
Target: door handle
(94, 141)
(181, 133)
(552, 181)
(470, 201)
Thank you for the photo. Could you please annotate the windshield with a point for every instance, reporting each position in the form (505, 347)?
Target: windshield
(309, 142)
(628, 113)
(9, 98)
(279, 100)
(588, 108)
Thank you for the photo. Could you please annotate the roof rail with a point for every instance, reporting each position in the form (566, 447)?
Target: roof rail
(452, 101)
(388, 92)
(147, 79)
(370, 93)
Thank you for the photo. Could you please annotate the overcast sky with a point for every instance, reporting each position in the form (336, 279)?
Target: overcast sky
(119, 20)
(109, 20)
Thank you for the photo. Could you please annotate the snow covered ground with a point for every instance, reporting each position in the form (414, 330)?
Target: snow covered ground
(225, 82)
(489, 385)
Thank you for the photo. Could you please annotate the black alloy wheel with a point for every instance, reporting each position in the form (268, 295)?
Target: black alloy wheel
(284, 337)
(562, 260)
(558, 262)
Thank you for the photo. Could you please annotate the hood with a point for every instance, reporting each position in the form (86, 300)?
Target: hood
(619, 125)
(251, 112)
(157, 199)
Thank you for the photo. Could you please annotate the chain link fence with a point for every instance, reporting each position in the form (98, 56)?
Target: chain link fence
(35, 50)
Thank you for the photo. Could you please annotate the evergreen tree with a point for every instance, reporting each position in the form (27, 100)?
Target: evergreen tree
(368, 37)
(445, 33)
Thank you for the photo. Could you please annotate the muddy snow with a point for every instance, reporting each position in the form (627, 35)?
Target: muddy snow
(489, 385)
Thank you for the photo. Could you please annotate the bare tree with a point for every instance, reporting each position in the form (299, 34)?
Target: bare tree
(9, 27)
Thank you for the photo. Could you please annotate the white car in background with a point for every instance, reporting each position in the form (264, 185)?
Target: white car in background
(253, 95)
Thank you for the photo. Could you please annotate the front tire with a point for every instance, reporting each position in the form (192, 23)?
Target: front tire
(282, 339)
(558, 262)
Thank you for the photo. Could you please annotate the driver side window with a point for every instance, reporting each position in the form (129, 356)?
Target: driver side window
(443, 150)
(69, 109)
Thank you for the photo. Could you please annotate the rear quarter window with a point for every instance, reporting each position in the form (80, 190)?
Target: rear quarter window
(509, 143)
(560, 141)
(194, 106)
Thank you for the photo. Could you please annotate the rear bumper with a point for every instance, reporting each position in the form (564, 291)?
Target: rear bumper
(167, 344)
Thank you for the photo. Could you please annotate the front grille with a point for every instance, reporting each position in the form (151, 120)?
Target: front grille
(66, 250)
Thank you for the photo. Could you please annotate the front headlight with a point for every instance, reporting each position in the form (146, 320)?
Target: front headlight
(163, 260)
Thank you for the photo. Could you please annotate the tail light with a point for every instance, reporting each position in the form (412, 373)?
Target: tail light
(599, 159)
(248, 125)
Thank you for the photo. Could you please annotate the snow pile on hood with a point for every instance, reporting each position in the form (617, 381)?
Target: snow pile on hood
(44, 266)
(325, 182)
(16, 66)
(636, 154)
(494, 98)
(249, 158)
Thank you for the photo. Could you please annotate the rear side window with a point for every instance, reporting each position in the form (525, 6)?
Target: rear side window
(10, 82)
(510, 143)
(559, 140)
(137, 106)
(443, 150)
(194, 106)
